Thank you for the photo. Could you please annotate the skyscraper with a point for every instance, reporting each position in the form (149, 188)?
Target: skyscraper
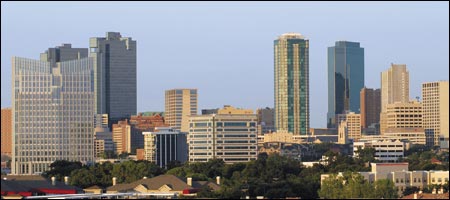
(291, 52)
(394, 85)
(53, 114)
(114, 76)
(370, 106)
(180, 103)
(435, 112)
(345, 79)
(394, 89)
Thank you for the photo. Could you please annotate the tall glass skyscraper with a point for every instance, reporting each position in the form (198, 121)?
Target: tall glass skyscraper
(291, 52)
(53, 112)
(345, 79)
(114, 76)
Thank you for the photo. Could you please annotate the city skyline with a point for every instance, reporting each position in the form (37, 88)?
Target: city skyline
(410, 36)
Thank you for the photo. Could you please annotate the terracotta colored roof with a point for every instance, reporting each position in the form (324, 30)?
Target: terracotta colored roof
(434, 160)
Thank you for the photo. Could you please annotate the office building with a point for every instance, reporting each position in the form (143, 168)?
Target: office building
(127, 134)
(114, 76)
(345, 79)
(52, 106)
(266, 120)
(231, 136)
(386, 150)
(408, 135)
(370, 107)
(102, 135)
(6, 132)
(402, 115)
(164, 145)
(394, 85)
(180, 103)
(291, 52)
(435, 112)
(353, 125)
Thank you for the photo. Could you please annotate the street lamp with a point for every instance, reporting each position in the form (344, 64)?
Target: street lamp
(214, 134)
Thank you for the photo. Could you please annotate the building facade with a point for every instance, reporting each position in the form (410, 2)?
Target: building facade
(291, 52)
(409, 135)
(127, 134)
(353, 125)
(345, 79)
(52, 105)
(165, 145)
(6, 129)
(435, 112)
(230, 137)
(266, 120)
(386, 150)
(370, 106)
(394, 85)
(179, 104)
(114, 76)
(402, 115)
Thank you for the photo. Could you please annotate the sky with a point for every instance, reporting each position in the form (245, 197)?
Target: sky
(225, 49)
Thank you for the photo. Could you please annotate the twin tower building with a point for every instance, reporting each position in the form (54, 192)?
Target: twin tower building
(55, 100)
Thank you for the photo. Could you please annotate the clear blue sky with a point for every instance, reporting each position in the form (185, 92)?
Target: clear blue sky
(225, 49)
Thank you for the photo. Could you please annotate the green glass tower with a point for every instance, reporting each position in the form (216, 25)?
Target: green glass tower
(291, 51)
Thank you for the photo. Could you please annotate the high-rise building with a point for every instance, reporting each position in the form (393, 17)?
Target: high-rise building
(370, 106)
(394, 85)
(6, 131)
(435, 112)
(230, 135)
(345, 79)
(402, 115)
(53, 115)
(164, 145)
(180, 103)
(114, 76)
(291, 52)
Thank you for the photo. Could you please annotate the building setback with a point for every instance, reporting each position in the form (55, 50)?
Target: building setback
(52, 112)
(291, 52)
(345, 79)
(114, 76)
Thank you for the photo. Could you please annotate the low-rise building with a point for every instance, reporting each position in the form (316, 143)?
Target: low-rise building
(165, 145)
(385, 150)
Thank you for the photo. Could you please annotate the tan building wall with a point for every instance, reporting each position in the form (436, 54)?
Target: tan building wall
(179, 104)
(281, 136)
(6, 144)
(435, 110)
(402, 115)
(227, 109)
(370, 106)
(353, 124)
(121, 136)
(394, 85)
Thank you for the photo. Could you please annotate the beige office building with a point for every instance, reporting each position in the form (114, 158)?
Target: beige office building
(435, 112)
(179, 104)
(353, 126)
(231, 137)
(402, 115)
(6, 131)
(394, 85)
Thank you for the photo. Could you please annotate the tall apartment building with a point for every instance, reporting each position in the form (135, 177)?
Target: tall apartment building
(114, 76)
(435, 112)
(6, 129)
(127, 134)
(164, 145)
(370, 106)
(52, 106)
(291, 52)
(402, 115)
(180, 103)
(231, 136)
(345, 79)
(353, 125)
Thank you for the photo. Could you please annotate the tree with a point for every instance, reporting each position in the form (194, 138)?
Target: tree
(83, 178)
(61, 168)
(386, 189)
